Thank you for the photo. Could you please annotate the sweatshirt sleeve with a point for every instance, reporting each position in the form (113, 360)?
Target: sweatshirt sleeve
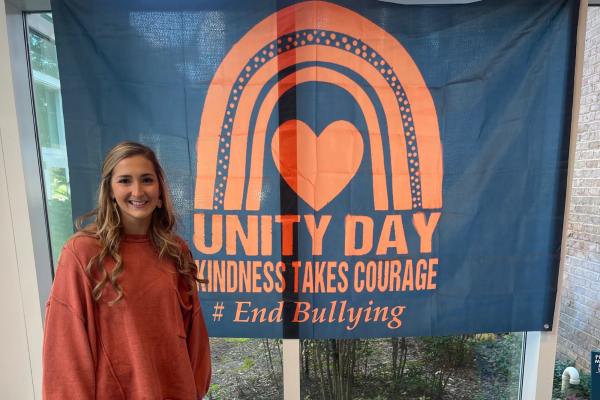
(68, 358)
(199, 349)
(197, 338)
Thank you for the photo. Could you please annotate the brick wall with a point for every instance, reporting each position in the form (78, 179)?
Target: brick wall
(579, 327)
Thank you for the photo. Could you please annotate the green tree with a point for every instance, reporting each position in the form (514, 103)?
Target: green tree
(59, 211)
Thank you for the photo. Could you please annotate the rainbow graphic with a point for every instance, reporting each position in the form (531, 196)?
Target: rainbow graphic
(317, 31)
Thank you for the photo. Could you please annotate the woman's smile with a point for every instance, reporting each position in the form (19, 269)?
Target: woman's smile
(138, 204)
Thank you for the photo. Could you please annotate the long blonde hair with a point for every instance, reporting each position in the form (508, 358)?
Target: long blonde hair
(107, 227)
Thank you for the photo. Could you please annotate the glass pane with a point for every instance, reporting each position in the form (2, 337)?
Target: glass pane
(51, 134)
(246, 369)
(47, 17)
(462, 367)
(46, 99)
(59, 210)
(43, 54)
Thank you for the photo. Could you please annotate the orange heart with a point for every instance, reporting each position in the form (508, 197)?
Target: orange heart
(317, 168)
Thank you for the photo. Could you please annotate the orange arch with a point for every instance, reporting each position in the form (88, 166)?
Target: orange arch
(320, 15)
(319, 74)
(400, 176)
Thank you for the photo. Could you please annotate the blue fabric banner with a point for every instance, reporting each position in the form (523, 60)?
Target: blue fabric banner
(344, 169)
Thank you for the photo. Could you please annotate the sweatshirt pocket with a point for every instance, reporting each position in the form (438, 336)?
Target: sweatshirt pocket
(180, 309)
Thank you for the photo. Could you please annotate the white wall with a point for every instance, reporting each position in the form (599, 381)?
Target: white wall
(20, 312)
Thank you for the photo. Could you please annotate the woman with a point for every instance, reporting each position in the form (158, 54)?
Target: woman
(123, 320)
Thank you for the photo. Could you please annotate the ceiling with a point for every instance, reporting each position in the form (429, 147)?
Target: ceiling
(32, 5)
(44, 5)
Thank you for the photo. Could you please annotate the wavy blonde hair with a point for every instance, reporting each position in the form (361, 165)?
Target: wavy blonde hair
(108, 229)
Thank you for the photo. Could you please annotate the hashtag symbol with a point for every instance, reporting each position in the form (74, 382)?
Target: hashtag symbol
(218, 311)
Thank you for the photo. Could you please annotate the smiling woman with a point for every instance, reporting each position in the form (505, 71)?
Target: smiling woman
(88, 350)
(136, 191)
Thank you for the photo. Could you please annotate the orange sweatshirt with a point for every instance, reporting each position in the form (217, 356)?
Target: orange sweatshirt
(152, 345)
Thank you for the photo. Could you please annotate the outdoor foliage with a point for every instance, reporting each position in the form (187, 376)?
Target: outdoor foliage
(499, 365)
(463, 367)
(59, 211)
(246, 369)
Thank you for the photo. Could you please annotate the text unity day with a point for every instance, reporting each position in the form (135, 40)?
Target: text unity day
(314, 276)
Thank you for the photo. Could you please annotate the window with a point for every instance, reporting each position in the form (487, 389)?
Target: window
(50, 128)
(465, 367)
(242, 368)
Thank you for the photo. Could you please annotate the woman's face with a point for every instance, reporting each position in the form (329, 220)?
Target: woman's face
(135, 186)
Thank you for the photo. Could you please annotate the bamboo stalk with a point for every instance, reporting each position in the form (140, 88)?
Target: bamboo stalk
(329, 379)
(348, 372)
(318, 353)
